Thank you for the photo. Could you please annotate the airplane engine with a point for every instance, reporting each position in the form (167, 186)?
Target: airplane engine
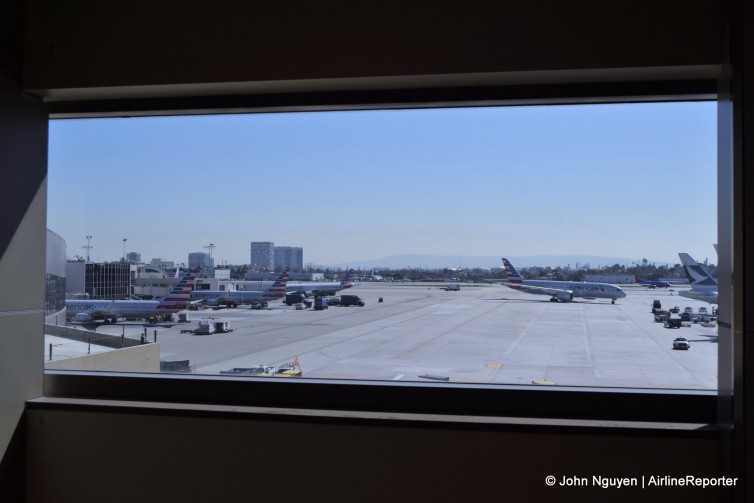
(83, 317)
(564, 296)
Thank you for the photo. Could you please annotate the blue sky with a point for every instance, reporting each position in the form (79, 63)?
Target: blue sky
(614, 180)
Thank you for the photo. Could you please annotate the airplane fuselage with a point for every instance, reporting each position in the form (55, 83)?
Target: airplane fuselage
(322, 288)
(585, 290)
(107, 309)
(237, 296)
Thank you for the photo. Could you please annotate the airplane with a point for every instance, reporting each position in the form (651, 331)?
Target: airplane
(703, 286)
(563, 291)
(86, 311)
(233, 298)
(652, 283)
(330, 288)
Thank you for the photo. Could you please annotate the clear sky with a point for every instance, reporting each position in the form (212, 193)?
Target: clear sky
(614, 180)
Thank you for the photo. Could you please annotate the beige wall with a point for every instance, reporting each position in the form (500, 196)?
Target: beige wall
(144, 358)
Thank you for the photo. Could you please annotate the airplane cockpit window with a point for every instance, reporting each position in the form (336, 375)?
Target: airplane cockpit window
(450, 245)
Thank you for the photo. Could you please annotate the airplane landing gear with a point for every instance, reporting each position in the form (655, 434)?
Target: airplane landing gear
(613, 301)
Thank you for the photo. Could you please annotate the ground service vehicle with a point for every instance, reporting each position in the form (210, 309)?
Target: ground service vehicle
(656, 305)
(661, 315)
(208, 326)
(320, 303)
(351, 300)
(681, 343)
(673, 323)
(453, 287)
(294, 298)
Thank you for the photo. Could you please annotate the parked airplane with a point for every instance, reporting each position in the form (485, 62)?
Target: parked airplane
(234, 298)
(652, 283)
(330, 288)
(110, 311)
(703, 286)
(563, 291)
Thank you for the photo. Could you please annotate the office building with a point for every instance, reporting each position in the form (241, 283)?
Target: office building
(262, 256)
(289, 258)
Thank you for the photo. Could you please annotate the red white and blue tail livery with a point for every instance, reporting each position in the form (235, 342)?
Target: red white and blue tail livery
(179, 297)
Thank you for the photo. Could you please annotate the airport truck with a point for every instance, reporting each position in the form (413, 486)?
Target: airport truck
(351, 300)
(453, 287)
(661, 315)
(673, 323)
(291, 299)
(208, 326)
(320, 303)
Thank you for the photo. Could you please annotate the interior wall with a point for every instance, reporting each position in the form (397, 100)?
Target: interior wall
(23, 158)
(91, 44)
(94, 454)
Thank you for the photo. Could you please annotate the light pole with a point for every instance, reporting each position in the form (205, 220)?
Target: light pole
(87, 247)
(124, 249)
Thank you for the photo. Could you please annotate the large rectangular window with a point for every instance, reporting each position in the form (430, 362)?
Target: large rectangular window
(412, 212)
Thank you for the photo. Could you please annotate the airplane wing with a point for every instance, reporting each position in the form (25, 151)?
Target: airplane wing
(541, 290)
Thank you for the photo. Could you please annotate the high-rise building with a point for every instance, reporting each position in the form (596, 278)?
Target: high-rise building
(200, 260)
(289, 258)
(262, 256)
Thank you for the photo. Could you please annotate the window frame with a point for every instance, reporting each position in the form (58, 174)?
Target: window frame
(659, 406)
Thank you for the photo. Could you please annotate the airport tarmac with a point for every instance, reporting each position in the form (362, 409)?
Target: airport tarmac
(481, 334)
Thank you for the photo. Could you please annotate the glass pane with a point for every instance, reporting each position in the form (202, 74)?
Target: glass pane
(392, 226)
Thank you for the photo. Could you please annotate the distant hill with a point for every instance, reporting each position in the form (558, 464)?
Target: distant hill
(465, 261)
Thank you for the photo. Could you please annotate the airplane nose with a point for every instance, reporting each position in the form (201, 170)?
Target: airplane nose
(622, 294)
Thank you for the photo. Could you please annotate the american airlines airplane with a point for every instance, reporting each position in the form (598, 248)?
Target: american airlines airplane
(563, 291)
(236, 297)
(703, 286)
(110, 311)
(331, 288)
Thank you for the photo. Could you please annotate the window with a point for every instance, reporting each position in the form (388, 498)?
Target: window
(413, 201)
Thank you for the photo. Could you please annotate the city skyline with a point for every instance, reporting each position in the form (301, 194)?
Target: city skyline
(633, 180)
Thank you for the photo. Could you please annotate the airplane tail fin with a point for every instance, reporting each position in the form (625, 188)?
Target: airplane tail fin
(511, 273)
(695, 272)
(180, 296)
(347, 281)
(277, 289)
